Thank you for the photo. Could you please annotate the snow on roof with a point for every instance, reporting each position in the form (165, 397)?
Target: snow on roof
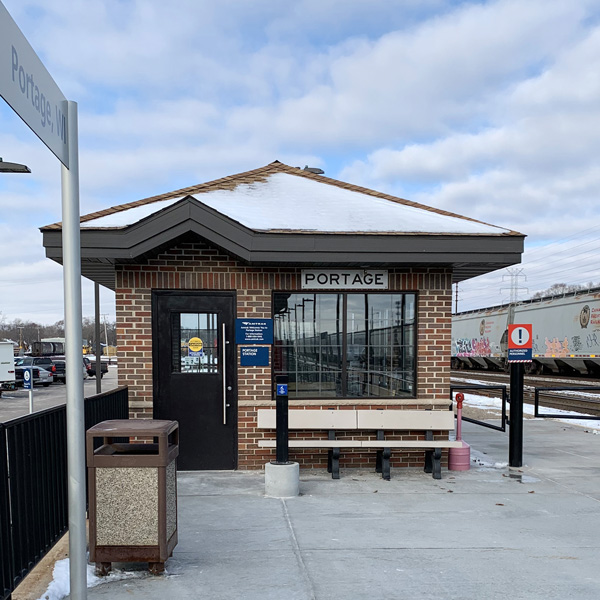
(130, 216)
(285, 202)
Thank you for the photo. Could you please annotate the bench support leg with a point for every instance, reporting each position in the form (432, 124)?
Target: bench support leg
(433, 462)
(335, 463)
(378, 458)
(385, 464)
(437, 463)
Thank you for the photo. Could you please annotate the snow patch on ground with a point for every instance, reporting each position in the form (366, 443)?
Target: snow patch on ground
(475, 401)
(59, 587)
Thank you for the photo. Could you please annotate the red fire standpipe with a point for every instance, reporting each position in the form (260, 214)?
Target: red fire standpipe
(460, 397)
(459, 459)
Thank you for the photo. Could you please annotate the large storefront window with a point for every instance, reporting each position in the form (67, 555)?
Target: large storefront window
(345, 345)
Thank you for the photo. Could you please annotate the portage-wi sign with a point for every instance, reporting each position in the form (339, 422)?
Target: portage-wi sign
(29, 89)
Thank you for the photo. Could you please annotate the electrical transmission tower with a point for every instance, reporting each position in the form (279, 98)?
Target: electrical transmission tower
(514, 274)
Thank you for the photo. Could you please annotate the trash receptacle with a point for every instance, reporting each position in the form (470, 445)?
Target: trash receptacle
(132, 492)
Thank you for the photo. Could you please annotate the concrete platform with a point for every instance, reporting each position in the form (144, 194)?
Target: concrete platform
(490, 532)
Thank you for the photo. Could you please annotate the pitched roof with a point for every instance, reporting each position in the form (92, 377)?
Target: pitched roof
(280, 198)
(280, 215)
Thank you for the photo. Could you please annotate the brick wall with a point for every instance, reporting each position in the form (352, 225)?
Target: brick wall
(196, 266)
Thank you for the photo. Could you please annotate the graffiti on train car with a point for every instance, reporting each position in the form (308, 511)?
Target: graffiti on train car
(555, 347)
(473, 347)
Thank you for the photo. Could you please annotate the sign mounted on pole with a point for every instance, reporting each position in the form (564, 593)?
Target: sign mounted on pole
(31, 92)
(520, 342)
(29, 89)
(27, 379)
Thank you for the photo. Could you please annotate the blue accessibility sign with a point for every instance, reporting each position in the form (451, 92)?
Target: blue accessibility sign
(282, 389)
(27, 379)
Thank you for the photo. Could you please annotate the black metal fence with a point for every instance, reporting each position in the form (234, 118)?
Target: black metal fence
(33, 482)
(563, 415)
(502, 388)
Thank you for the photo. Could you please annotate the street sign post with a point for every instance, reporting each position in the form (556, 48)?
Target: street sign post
(31, 92)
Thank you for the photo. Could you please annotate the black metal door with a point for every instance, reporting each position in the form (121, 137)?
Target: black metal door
(194, 374)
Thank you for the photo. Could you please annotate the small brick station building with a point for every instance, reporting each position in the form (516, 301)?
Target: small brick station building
(354, 286)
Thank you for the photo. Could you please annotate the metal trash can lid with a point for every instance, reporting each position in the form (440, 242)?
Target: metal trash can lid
(133, 427)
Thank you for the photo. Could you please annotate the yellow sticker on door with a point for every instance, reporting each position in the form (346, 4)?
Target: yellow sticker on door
(195, 344)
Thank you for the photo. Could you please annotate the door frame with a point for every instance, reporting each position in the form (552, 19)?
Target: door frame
(231, 369)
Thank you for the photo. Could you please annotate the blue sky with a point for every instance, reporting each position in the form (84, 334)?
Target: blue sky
(487, 109)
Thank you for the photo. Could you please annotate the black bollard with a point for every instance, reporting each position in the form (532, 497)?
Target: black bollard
(515, 437)
(281, 419)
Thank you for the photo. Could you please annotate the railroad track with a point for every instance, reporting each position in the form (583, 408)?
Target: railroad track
(580, 401)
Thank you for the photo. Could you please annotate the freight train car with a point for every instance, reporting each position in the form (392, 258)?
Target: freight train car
(566, 334)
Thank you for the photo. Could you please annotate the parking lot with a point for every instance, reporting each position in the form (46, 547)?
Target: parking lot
(16, 404)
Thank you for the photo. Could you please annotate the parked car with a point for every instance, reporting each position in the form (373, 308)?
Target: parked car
(61, 369)
(35, 361)
(90, 365)
(39, 374)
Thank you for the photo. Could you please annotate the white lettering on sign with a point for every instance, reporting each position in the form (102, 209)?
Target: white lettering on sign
(344, 279)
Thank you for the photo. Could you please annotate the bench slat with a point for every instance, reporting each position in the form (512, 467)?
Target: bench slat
(313, 444)
(425, 420)
(412, 444)
(310, 419)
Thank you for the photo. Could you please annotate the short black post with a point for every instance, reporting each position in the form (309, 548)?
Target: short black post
(515, 439)
(281, 419)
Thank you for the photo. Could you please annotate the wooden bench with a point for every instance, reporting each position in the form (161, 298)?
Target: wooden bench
(326, 419)
(378, 420)
(382, 420)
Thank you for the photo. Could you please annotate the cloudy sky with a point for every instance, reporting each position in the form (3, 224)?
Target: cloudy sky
(490, 109)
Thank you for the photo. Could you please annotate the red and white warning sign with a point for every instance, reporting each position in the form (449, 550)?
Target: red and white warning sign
(520, 343)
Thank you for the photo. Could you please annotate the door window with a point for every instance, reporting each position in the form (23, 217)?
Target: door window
(195, 343)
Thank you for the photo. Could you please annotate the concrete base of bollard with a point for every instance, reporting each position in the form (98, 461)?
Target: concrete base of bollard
(282, 481)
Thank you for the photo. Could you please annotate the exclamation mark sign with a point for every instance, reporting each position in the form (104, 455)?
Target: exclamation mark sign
(520, 336)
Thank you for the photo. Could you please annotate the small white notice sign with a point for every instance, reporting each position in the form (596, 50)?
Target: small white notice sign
(344, 279)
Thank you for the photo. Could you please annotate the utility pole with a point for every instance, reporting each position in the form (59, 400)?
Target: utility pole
(105, 334)
(456, 298)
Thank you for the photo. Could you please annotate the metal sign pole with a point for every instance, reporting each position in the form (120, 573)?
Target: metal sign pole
(73, 351)
(515, 440)
(28, 385)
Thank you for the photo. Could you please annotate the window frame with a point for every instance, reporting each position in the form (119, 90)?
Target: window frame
(344, 347)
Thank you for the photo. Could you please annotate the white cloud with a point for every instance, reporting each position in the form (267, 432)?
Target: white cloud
(486, 108)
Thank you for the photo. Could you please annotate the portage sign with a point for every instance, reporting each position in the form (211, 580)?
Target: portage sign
(520, 342)
(29, 89)
(344, 279)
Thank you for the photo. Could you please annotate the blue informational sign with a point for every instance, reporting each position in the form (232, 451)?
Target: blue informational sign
(282, 389)
(254, 356)
(254, 331)
(520, 355)
(27, 379)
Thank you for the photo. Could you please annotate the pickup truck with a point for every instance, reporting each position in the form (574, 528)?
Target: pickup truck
(90, 365)
(61, 369)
